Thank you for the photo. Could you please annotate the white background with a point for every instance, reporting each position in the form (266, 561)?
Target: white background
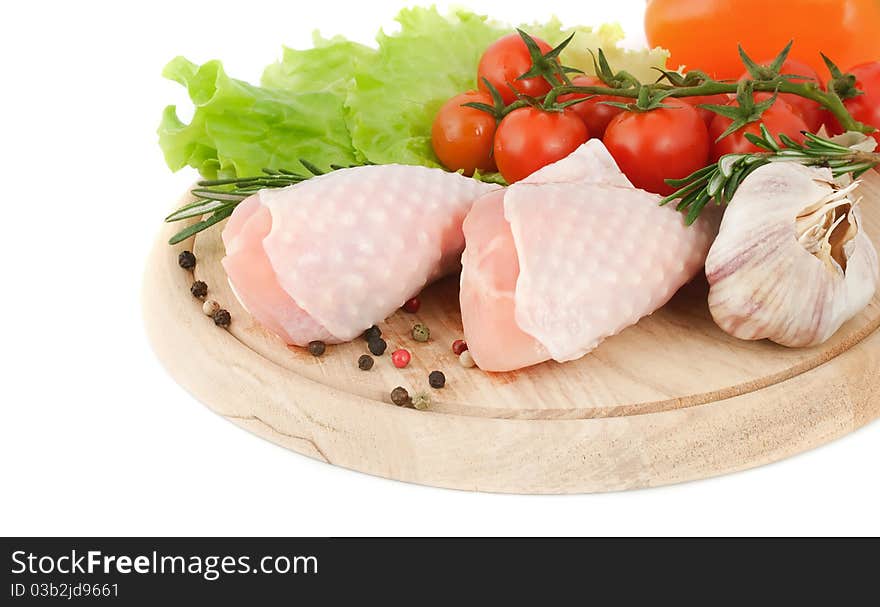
(94, 436)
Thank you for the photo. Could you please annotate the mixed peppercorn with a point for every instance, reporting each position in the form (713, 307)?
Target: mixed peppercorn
(400, 397)
(412, 305)
(421, 333)
(186, 260)
(222, 318)
(436, 379)
(199, 289)
(377, 346)
(402, 357)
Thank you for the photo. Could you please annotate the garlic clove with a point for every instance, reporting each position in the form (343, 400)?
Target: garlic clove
(791, 262)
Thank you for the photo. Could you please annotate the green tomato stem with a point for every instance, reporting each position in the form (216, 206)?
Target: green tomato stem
(829, 100)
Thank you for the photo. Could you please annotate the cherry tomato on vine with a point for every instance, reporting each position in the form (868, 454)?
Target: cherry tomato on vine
(704, 33)
(654, 145)
(779, 118)
(507, 59)
(595, 114)
(463, 136)
(811, 111)
(706, 115)
(864, 108)
(531, 138)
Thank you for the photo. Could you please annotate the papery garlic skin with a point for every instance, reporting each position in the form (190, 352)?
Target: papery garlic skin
(765, 283)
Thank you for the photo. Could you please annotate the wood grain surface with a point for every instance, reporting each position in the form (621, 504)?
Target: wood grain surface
(670, 399)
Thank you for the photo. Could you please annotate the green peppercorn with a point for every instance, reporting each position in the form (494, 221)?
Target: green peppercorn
(199, 289)
(377, 346)
(365, 362)
(372, 333)
(400, 397)
(186, 260)
(222, 318)
(421, 332)
(317, 347)
(436, 379)
(421, 401)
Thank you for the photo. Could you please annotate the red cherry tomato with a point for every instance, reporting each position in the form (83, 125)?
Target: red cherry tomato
(810, 111)
(507, 59)
(462, 136)
(530, 138)
(595, 114)
(707, 115)
(665, 143)
(779, 118)
(864, 108)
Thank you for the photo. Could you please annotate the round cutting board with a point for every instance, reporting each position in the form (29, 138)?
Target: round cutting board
(670, 399)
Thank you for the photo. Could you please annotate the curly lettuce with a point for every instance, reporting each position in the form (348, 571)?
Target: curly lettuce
(342, 102)
(329, 66)
(239, 129)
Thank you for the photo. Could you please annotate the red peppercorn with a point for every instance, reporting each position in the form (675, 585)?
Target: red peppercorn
(401, 358)
(459, 346)
(412, 305)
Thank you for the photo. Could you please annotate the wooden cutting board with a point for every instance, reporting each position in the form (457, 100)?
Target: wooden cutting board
(669, 400)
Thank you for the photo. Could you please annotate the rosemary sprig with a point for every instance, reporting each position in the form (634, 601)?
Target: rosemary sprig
(217, 198)
(720, 181)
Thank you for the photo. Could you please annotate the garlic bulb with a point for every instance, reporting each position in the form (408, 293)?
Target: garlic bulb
(792, 261)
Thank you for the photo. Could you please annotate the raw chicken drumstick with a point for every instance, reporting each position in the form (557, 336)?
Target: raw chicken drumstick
(569, 256)
(327, 258)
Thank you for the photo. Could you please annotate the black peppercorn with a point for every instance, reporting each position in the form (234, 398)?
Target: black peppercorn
(377, 346)
(222, 318)
(186, 260)
(436, 379)
(365, 362)
(372, 333)
(400, 397)
(317, 347)
(199, 289)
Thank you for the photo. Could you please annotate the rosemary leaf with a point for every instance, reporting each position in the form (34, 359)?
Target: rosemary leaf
(201, 225)
(716, 183)
(197, 209)
(219, 195)
(697, 207)
(311, 168)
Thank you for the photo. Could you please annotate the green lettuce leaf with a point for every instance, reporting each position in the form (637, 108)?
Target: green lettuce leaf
(329, 66)
(239, 129)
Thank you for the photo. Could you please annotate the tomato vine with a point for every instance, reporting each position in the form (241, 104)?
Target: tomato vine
(697, 84)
